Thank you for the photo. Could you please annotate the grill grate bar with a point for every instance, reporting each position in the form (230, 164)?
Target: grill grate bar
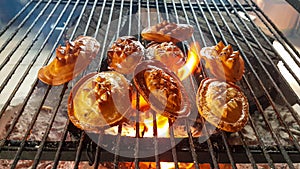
(295, 115)
(32, 63)
(155, 141)
(42, 144)
(90, 17)
(279, 36)
(137, 133)
(98, 150)
(100, 19)
(130, 17)
(5, 28)
(172, 127)
(224, 140)
(170, 9)
(12, 35)
(247, 61)
(83, 134)
(173, 144)
(79, 149)
(7, 58)
(158, 13)
(229, 152)
(258, 137)
(249, 155)
(267, 40)
(199, 28)
(155, 136)
(106, 35)
(119, 22)
(139, 19)
(252, 161)
(22, 145)
(60, 145)
(14, 122)
(214, 163)
(118, 140)
(285, 125)
(18, 44)
(192, 145)
(152, 4)
(274, 136)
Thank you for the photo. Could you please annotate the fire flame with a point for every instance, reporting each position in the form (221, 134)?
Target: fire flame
(162, 126)
(191, 62)
(171, 165)
(143, 104)
(146, 118)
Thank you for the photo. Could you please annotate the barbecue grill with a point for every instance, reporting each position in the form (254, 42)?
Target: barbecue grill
(36, 131)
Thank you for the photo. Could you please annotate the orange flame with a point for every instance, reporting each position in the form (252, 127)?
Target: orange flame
(191, 62)
(170, 165)
(143, 105)
(162, 126)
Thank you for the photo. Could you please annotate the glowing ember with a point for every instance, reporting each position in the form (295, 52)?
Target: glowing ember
(191, 63)
(146, 128)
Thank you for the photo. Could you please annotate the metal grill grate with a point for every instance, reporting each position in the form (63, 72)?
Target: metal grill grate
(29, 40)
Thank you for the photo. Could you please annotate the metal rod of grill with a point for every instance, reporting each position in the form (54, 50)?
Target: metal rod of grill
(18, 44)
(17, 157)
(98, 148)
(193, 13)
(18, 28)
(224, 39)
(33, 61)
(266, 39)
(22, 145)
(279, 36)
(295, 115)
(25, 100)
(6, 27)
(42, 144)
